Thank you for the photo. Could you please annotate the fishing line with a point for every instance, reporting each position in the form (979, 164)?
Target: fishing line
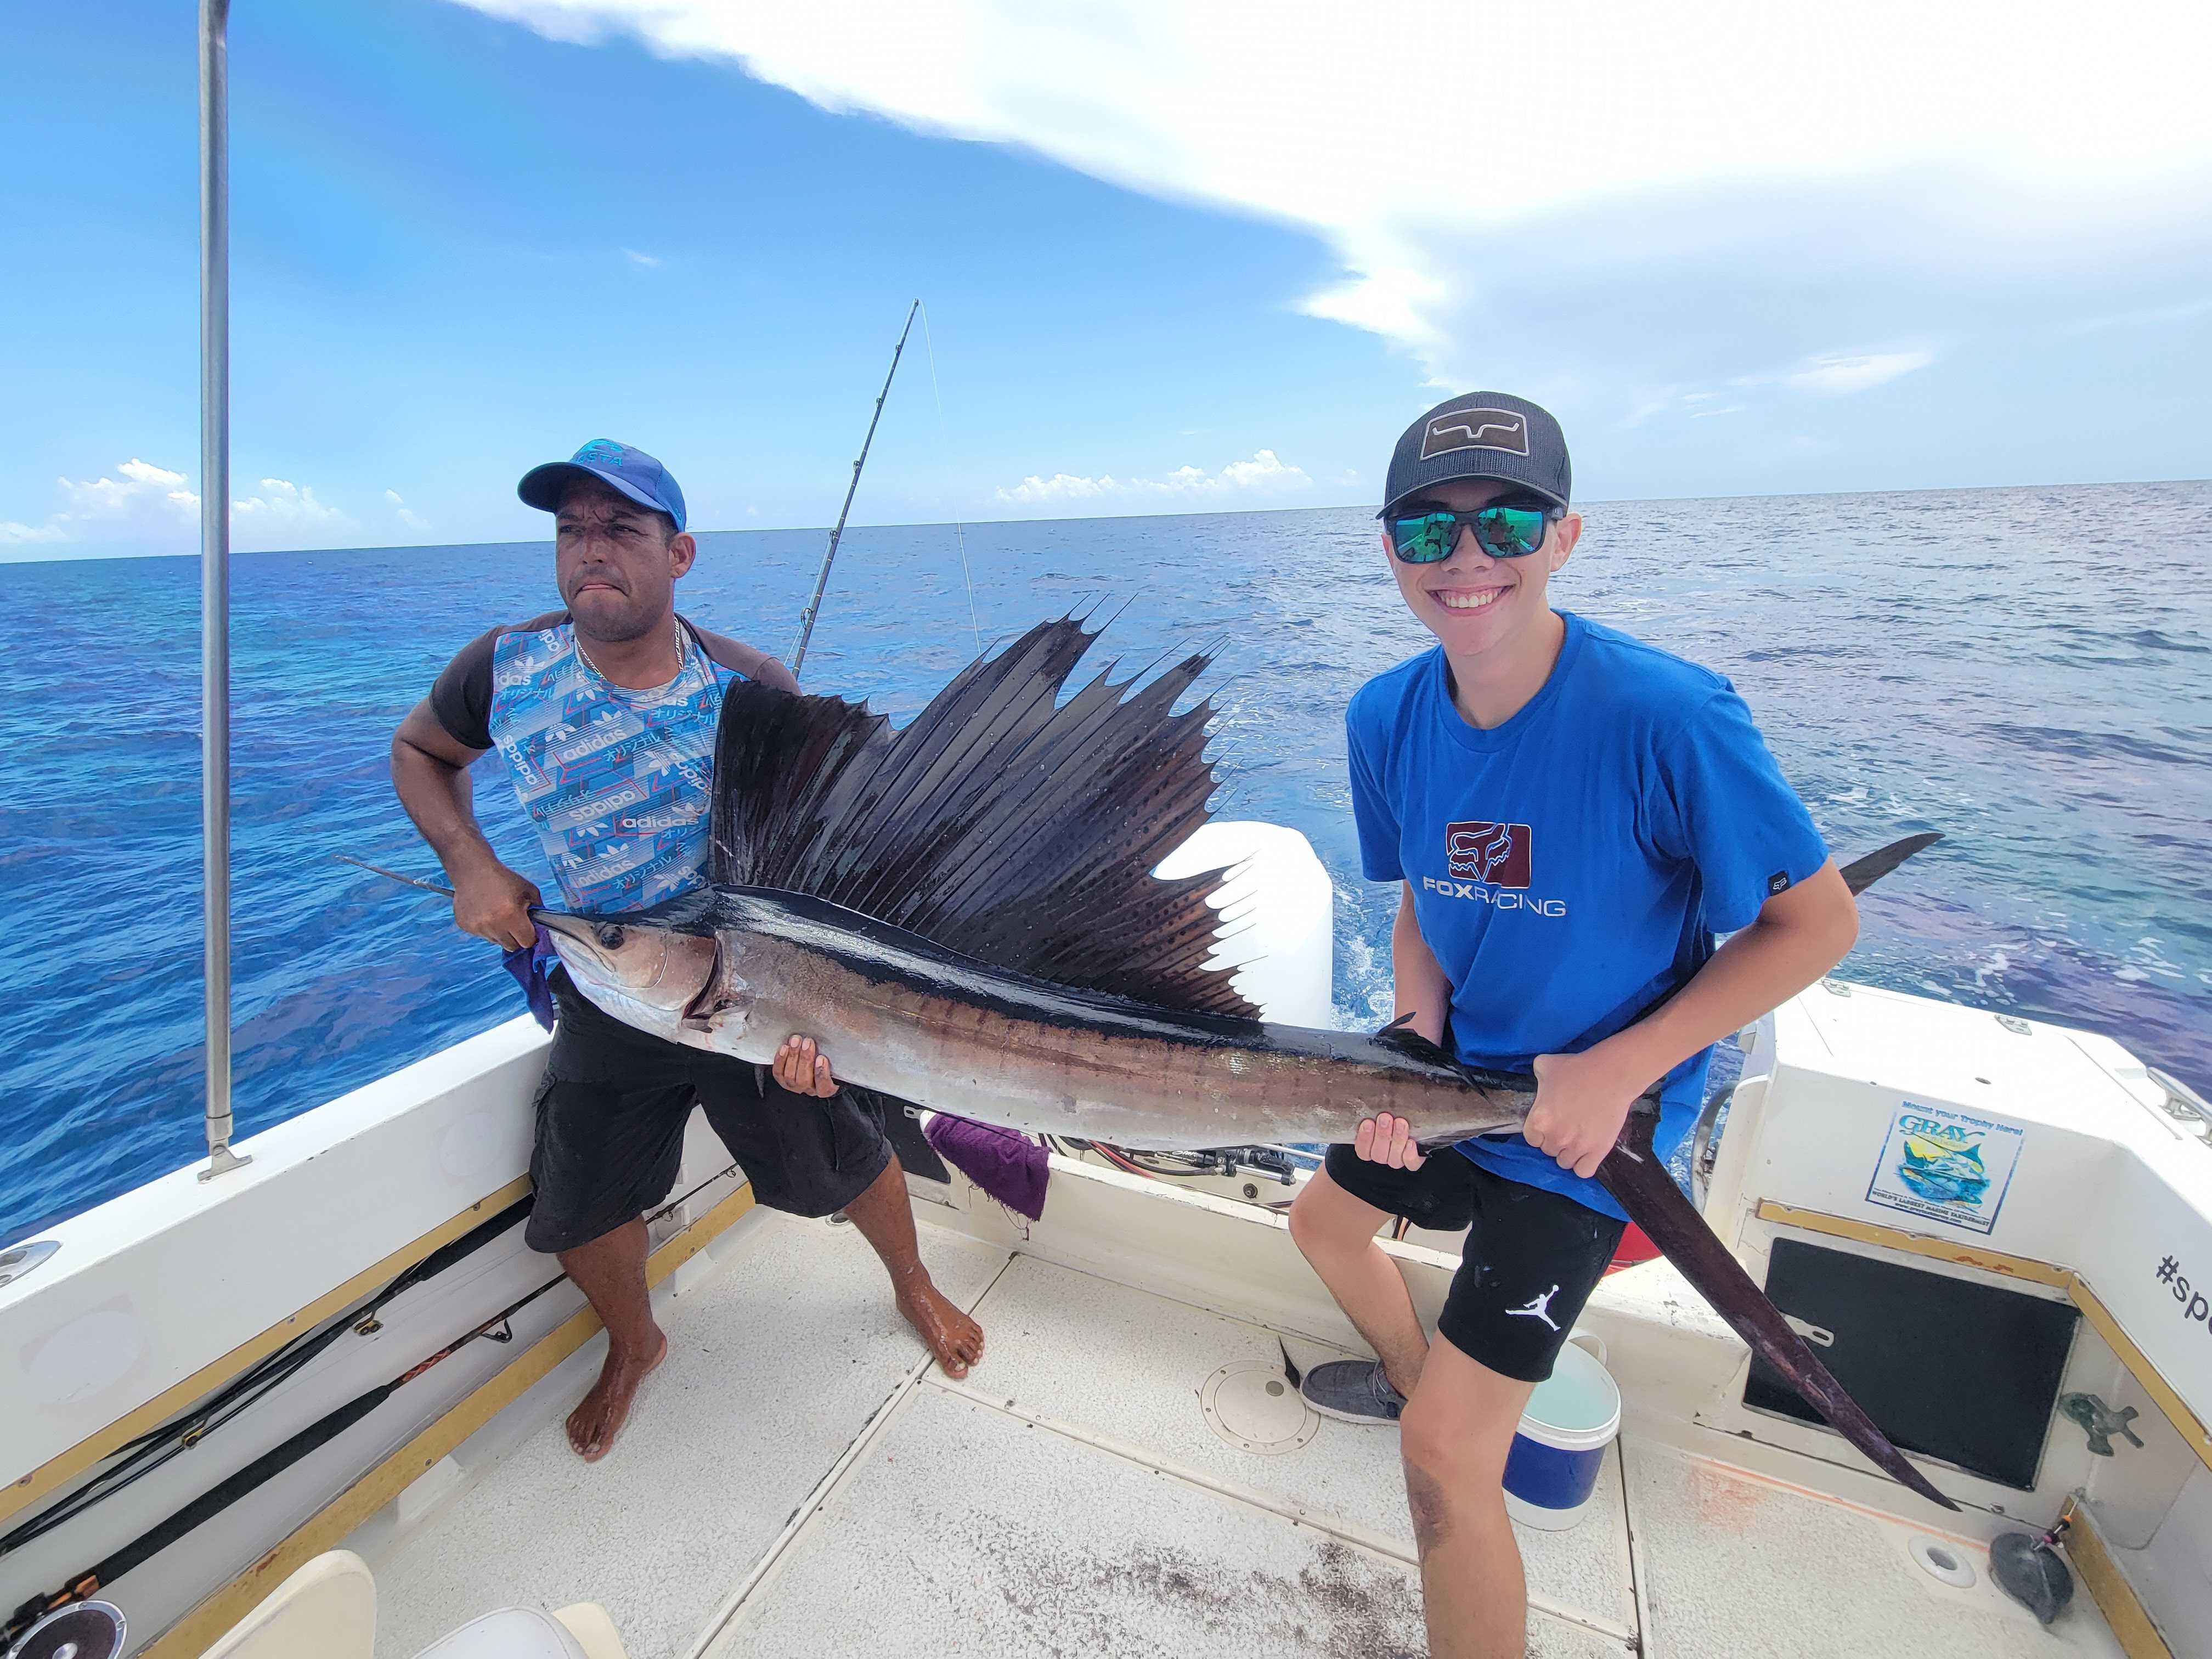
(959, 533)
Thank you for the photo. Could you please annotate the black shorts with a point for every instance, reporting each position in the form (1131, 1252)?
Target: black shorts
(610, 1116)
(1532, 1257)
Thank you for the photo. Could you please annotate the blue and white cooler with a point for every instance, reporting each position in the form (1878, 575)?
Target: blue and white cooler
(1571, 1419)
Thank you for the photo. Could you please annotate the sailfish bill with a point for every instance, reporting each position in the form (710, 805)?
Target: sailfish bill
(1643, 1185)
(962, 911)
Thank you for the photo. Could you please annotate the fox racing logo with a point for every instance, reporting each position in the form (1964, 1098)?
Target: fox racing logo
(1498, 853)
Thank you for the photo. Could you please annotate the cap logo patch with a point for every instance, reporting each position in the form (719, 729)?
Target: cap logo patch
(603, 451)
(1475, 429)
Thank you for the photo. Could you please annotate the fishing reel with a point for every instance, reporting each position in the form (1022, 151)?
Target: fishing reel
(82, 1630)
(1273, 1161)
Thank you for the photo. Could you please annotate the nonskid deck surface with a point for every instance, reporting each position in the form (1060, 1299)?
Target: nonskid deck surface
(775, 1365)
(1733, 1565)
(797, 1482)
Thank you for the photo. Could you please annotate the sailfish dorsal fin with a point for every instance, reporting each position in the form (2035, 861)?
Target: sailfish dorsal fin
(1000, 822)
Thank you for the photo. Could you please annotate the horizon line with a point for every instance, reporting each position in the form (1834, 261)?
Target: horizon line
(92, 553)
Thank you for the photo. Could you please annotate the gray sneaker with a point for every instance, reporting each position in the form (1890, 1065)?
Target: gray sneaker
(1353, 1391)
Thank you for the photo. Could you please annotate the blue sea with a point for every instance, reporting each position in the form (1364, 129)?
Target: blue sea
(2025, 670)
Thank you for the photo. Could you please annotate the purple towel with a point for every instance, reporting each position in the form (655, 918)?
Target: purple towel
(1011, 1167)
(531, 967)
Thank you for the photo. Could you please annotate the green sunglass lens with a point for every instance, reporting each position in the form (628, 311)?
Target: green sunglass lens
(1504, 533)
(1426, 540)
(1512, 533)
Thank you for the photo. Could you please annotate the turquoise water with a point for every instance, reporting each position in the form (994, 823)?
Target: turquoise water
(2024, 669)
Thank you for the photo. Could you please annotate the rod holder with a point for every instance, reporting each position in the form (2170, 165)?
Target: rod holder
(222, 1161)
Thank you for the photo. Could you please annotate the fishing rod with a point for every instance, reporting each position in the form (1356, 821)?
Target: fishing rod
(822, 578)
(324, 1429)
(133, 1460)
(262, 1469)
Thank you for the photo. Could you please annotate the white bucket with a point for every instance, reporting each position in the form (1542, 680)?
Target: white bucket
(1570, 1419)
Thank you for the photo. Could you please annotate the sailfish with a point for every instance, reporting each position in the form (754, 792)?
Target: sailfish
(962, 911)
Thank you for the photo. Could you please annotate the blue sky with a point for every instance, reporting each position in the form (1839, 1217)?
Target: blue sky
(1175, 258)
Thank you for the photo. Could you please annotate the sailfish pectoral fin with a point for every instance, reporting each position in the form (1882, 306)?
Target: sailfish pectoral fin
(1641, 1184)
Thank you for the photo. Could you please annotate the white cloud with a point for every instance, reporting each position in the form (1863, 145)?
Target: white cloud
(1262, 471)
(1824, 374)
(1631, 138)
(1840, 374)
(143, 491)
(1058, 491)
(150, 508)
(2149, 317)
(141, 502)
(147, 475)
(1648, 403)
(636, 258)
(283, 507)
(406, 514)
(1264, 477)
(15, 534)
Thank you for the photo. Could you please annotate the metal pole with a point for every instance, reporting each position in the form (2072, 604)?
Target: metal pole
(214, 569)
(822, 580)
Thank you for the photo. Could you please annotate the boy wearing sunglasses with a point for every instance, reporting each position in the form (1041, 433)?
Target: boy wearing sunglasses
(1572, 816)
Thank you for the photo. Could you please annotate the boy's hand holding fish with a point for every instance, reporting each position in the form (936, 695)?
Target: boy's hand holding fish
(1581, 1101)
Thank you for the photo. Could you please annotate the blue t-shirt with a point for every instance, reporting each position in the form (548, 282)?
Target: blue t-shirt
(1571, 866)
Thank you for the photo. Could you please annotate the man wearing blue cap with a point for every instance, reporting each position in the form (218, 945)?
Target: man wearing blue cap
(605, 714)
(1570, 815)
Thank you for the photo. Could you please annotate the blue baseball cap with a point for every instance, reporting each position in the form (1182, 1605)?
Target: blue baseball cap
(618, 467)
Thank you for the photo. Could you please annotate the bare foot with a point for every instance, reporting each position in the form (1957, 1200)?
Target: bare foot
(593, 1425)
(954, 1339)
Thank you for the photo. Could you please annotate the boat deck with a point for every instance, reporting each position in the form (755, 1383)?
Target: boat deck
(799, 1480)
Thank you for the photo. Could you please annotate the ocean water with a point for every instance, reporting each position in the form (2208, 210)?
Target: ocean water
(2024, 669)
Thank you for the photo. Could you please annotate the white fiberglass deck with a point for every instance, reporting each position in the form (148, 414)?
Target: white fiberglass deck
(798, 1481)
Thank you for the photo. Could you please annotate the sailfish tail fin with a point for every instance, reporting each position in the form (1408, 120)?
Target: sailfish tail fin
(1862, 874)
(1641, 1185)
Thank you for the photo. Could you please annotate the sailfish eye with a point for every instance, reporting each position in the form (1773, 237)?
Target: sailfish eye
(610, 934)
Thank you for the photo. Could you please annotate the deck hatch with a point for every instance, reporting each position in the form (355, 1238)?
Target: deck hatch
(1952, 1369)
(1255, 1408)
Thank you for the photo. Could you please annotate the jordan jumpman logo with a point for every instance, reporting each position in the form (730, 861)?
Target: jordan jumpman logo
(1538, 1308)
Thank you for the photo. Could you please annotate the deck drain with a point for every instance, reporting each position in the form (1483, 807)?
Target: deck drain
(1251, 1406)
(1942, 1561)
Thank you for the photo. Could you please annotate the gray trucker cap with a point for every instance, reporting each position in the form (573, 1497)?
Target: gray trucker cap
(1482, 434)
